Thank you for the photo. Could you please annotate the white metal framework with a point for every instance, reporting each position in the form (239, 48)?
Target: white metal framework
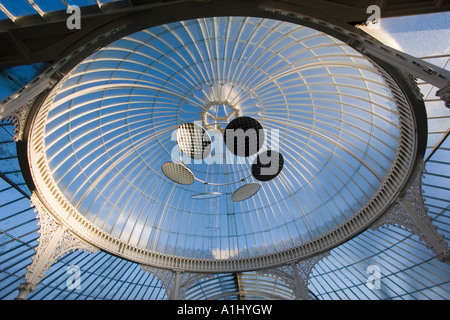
(341, 120)
(349, 125)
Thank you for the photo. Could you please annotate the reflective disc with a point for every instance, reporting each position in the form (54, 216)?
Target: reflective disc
(206, 195)
(177, 173)
(245, 192)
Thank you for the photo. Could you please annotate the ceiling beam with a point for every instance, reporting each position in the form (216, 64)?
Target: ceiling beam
(44, 37)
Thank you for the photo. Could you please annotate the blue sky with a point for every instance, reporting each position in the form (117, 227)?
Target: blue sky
(421, 35)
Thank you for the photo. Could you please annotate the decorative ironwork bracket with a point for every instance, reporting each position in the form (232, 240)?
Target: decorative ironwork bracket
(296, 275)
(54, 241)
(176, 282)
(410, 213)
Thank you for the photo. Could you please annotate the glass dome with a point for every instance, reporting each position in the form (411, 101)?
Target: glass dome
(112, 124)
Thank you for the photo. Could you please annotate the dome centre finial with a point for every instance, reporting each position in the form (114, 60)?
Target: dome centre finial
(217, 115)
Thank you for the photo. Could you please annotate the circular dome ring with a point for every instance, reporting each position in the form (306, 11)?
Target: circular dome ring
(59, 205)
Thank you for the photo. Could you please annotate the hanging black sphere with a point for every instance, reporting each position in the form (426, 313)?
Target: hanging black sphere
(244, 136)
(267, 165)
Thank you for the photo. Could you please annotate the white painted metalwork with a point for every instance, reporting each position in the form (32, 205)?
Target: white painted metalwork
(410, 213)
(343, 125)
(419, 68)
(54, 242)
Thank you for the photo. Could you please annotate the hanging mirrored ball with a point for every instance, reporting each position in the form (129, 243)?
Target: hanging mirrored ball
(194, 141)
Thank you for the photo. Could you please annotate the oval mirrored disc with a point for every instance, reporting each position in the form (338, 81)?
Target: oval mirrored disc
(245, 192)
(177, 173)
(206, 195)
(244, 136)
(267, 165)
(193, 140)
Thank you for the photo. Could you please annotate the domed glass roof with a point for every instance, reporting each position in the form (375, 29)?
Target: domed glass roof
(323, 106)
